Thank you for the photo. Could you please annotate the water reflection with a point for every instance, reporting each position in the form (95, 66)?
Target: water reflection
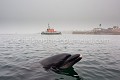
(69, 72)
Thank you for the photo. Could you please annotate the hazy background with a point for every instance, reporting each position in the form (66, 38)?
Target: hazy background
(32, 16)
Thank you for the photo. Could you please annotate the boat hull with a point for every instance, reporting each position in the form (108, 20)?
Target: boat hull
(50, 33)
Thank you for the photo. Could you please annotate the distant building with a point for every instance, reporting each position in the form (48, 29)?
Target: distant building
(115, 27)
(97, 29)
(115, 30)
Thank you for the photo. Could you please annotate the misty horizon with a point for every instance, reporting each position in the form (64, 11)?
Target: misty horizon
(33, 16)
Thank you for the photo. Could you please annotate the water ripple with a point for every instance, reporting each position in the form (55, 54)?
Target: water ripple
(101, 60)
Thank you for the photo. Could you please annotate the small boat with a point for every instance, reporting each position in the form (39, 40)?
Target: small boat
(50, 31)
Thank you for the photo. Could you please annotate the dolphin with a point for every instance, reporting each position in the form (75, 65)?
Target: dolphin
(56, 67)
(60, 61)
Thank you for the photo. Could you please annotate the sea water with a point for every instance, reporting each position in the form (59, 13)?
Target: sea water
(101, 54)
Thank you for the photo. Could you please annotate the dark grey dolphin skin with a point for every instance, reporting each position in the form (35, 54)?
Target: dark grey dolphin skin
(60, 61)
(57, 67)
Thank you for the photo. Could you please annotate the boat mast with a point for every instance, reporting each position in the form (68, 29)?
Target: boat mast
(48, 26)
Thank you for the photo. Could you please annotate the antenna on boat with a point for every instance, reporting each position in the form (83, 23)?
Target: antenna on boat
(48, 26)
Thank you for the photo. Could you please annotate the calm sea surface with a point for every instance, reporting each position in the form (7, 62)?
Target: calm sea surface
(101, 56)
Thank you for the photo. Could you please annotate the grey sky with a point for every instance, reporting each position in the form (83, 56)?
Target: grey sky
(33, 15)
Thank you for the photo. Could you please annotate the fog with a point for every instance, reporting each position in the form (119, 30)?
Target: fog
(32, 16)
